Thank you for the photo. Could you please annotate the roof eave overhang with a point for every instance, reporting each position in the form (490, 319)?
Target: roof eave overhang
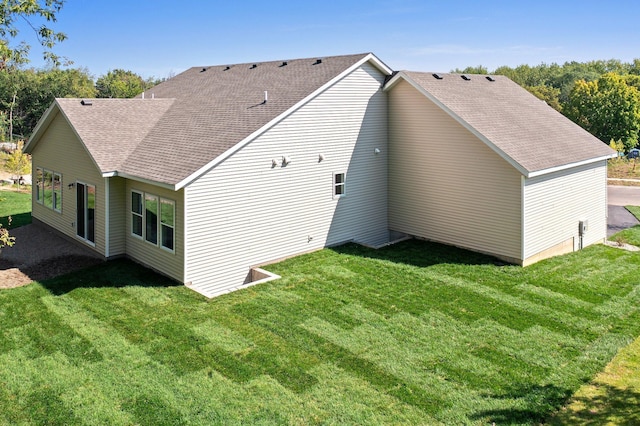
(41, 126)
(368, 58)
(116, 173)
(569, 166)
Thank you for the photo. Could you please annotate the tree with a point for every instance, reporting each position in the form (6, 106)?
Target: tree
(12, 56)
(608, 108)
(18, 163)
(472, 70)
(549, 94)
(36, 13)
(122, 84)
(36, 89)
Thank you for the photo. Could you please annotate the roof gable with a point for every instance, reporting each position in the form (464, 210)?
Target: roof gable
(182, 127)
(525, 131)
(220, 108)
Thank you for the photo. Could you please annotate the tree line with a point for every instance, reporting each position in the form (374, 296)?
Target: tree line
(25, 94)
(601, 96)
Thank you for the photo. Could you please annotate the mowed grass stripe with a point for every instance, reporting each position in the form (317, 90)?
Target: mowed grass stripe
(414, 334)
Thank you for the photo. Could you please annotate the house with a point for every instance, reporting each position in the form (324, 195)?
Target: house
(222, 169)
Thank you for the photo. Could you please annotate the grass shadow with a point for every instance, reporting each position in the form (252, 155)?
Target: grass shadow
(111, 274)
(420, 253)
(17, 220)
(539, 401)
(612, 405)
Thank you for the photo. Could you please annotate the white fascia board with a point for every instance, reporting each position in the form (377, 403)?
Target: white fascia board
(570, 165)
(139, 179)
(47, 118)
(370, 57)
(42, 124)
(462, 122)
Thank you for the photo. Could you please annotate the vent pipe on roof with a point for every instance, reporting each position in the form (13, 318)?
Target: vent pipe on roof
(254, 66)
(142, 95)
(318, 61)
(266, 97)
(227, 68)
(490, 78)
(465, 77)
(203, 70)
(86, 103)
(437, 76)
(153, 96)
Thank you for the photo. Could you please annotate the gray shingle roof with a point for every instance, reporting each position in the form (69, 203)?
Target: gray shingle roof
(183, 124)
(216, 108)
(112, 128)
(522, 127)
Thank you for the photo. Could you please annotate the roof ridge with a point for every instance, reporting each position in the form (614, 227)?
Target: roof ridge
(310, 58)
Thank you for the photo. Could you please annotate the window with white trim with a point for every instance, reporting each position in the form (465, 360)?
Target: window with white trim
(57, 192)
(136, 213)
(153, 219)
(48, 189)
(339, 182)
(167, 223)
(39, 187)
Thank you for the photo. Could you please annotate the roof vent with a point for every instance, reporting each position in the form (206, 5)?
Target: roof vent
(465, 77)
(86, 103)
(254, 66)
(437, 76)
(227, 68)
(490, 78)
(284, 64)
(203, 70)
(318, 61)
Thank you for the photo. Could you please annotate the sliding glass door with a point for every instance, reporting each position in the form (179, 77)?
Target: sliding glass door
(85, 212)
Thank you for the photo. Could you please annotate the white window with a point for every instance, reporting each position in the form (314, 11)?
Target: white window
(39, 187)
(167, 223)
(339, 180)
(136, 213)
(49, 189)
(57, 192)
(153, 219)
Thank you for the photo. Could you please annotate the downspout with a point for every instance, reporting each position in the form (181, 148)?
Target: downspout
(106, 218)
(185, 233)
(523, 219)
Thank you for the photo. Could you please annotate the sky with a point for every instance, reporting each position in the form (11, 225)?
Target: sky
(161, 38)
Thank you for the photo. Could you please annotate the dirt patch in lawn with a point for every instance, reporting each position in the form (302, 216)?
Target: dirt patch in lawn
(40, 254)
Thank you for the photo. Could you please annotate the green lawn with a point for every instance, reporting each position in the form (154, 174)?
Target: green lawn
(613, 397)
(416, 333)
(18, 206)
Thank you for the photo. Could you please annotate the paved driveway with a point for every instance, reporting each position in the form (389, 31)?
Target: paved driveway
(619, 217)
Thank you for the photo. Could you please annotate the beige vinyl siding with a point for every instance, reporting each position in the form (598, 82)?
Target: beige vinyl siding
(117, 216)
(555, 203)
(61, 151)
(246, 212)
(154, 256)
(445, 184)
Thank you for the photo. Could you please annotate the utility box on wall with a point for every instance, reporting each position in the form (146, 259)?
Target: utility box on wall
(583, 227)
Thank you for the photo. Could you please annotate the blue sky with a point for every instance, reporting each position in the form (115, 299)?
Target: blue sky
(159, 38)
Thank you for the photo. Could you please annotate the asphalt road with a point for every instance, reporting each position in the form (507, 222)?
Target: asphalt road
(617, 198)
